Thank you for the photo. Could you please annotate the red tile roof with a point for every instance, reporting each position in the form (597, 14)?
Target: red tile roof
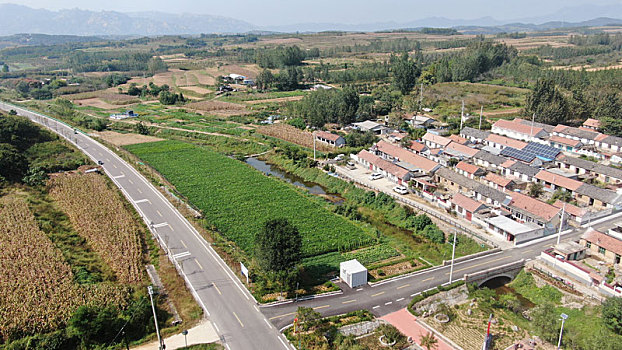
(497, 179)
(564, 141)
(441, 140)
(468, 168)
(383, 164)
(558, 180)
(465, 202)
(416, 146)
(560, 128)
(327, 136)
(406, 156)
(533, 206)
(462, 149)
(601, 137)
(459, 139)
(517, 127)
(506, 141)
(570, 208)
(508, 163)
(594, 123)
(603, 240)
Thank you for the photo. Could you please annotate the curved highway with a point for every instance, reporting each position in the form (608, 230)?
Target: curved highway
(226, 302)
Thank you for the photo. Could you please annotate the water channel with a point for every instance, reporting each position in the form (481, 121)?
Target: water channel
(297, 181)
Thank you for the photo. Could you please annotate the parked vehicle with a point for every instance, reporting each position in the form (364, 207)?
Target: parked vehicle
(400, 189)
(100, 162)
(350, 165)
(376, 176)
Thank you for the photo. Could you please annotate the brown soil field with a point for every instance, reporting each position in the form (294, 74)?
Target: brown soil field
(502, 112)
(280, 99)
(197, 89)
(95, 102)
(281, 41)
(291, 134)
(212, 105)
(119, 139)
(588, 68)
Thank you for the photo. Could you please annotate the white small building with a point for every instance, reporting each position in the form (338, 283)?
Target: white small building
(353, 273)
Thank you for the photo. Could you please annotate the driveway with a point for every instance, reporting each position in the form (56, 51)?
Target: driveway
(406, 323)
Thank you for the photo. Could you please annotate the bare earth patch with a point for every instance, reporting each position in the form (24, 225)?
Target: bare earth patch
(279, 99)
(212, 105)
(197, 89)
(119, 139)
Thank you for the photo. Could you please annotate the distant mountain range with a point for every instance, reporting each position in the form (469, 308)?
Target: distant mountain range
(16, 19)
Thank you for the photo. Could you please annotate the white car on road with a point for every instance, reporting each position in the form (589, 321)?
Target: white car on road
(400, 189)
(376, 176)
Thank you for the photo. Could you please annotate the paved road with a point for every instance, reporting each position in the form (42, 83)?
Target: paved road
(384, 298)
(229, 306)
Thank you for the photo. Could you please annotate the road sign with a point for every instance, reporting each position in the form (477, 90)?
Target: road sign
(244, 271)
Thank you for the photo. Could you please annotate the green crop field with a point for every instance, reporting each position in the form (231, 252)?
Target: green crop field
(237, 199)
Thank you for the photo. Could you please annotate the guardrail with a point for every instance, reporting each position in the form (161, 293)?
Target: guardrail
(422, 208)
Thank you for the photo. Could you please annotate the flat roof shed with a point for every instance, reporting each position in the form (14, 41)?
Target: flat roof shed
(353, 273)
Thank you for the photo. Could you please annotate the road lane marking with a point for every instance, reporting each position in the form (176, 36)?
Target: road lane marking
(171, 227)
(157, 211)
(181, 255)
(236, 316)
(400, 299)
(184, 244)
(256, 308)
(428, 279)
(375, 307)
(107, 159)
(349, 301)
(268, 323)
(218, 290)
(119, 176)
(282, 342)
(114, 166)
(360, 289)
(484, 263)
(161, 225)
(197, 261)
(377, 294)
(130, 181)
(321, 307)
(404, 286)
(388, 303)
(216, 326)
(142, 201)
(138, 189)
(100, 154)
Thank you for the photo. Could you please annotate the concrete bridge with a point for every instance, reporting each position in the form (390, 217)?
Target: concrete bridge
(500, 274)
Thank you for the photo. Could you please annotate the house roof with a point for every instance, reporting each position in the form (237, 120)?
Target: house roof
(458, 139)
(369, 125)
(592, 123)
(533, 206)
(570, 208)
(518, 127)
(457, 178)
(524, 169)
(548, 128)
(441, 140)
(592, 166)
(468, 168)
(406, 156)
(474, 133)
(499, 180)
(417, 146)
(489, 192)
(352, 266)
(467, 203)
(506, 141)
(508, 163)
(580, 133)
(601, 194)
(489, 157)
(327, 136)
(603, 240)
(558, 180)
(513, 227)
(461, 149)
(383, 164)
(565, 141)
(612, 140)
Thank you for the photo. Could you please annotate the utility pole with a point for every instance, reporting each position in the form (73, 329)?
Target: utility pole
(421, 97)
(561, 224)
(453, 255)
(561, 331)
(314, 146)
(481, 112)
(462, 115)
(155, 317)
(533, 120)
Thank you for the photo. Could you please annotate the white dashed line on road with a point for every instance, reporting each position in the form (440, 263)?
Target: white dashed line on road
(375, 307)
(400, 299)
(388, 303)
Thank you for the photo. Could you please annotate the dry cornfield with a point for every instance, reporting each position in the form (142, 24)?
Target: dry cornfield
(293, 135)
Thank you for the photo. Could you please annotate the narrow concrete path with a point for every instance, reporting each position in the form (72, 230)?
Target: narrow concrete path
(202, 334)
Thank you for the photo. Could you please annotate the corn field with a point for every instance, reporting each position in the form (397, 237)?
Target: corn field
(97, 213)
(292, 134)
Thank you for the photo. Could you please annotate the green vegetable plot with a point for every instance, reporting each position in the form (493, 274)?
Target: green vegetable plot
(237, 199)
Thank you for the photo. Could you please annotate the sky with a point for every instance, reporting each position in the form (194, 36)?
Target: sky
(281, 12)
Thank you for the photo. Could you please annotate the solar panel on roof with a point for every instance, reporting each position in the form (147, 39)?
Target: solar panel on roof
(542, 151)
(518, 154)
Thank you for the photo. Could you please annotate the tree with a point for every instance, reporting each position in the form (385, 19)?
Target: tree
(610, 106)
(612, 314)
(429, 341)
(349, 105)
(264, 80)
(95, 324)
(547, 102)
(156, 65)
(405, 73)
(13, 164)
(142, 129)
(542, 317)
(308, 318)
(562, 195)
(278, 246)
(434, 234)
(5, 68)
(536, 190)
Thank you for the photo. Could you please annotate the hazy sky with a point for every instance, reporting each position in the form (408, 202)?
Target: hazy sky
(275, 12)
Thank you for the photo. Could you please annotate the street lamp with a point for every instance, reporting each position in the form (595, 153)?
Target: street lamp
(155, 317)
(564, 317)
(185, 333)
(453, 255)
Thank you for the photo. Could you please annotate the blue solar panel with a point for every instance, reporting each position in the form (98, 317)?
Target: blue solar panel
(518, 154)
(542, 151)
